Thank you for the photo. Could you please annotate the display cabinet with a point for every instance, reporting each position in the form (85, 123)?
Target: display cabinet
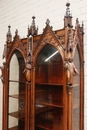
(43, 78)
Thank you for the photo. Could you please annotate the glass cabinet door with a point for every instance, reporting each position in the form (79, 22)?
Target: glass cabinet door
(16, 115)
(49, 90)
(76, 95)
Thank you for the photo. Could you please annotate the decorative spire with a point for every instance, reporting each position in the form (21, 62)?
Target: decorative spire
(79, 26)
(16, 32)
(68, 14)
(47, 22)
(68, 17)
(9, 36)
(32, 30)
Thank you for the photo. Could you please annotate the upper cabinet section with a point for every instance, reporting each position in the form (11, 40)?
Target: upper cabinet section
(63, 41)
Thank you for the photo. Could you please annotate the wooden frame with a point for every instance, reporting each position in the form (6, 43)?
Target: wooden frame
(69, 43)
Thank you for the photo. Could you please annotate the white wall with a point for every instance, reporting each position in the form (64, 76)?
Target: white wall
(18, 14)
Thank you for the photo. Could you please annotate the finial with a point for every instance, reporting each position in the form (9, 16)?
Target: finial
(77, 21)
(16, 32)
(9, 36)
(32, 30)
(9, 32)
(33, 21)
(67, 4)
(68, 16)
(47, 22)
(9, 27)
(33, 17)
(68, 10)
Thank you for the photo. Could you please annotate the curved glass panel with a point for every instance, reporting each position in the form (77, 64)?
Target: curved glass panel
(16, 116)
(49, 90)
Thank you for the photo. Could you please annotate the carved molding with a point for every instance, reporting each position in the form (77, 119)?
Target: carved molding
(5, 51)
(72, 41)
(70, 89)
(3, 71)
(48, 37)
(17, 45)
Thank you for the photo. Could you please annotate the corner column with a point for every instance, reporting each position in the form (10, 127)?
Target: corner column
(70, 106)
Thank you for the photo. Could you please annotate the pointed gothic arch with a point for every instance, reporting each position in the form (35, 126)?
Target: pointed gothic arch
(48, 37)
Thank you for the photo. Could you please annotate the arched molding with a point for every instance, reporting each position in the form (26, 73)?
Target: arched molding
(48, 37)
(16, 45)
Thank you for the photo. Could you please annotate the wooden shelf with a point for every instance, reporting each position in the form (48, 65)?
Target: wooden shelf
(39, 91)
(18, 96)
(14, 128)
(17, 81)
(42, 108)
(48, 125)
(19, 114)
(53, 84)
(52, 104)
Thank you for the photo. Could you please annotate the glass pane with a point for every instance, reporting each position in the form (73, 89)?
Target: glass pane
(49, 90)
(76, 94)
(16, 116)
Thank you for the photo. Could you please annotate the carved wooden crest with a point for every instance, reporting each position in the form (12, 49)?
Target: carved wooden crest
(11, 47)
(48, 37)
(74, 39)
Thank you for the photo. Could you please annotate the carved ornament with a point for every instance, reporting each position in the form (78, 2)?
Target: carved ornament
(17, 45)
(48, 37)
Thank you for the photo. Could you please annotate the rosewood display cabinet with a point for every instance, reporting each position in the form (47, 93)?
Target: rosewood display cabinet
(43, 78)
